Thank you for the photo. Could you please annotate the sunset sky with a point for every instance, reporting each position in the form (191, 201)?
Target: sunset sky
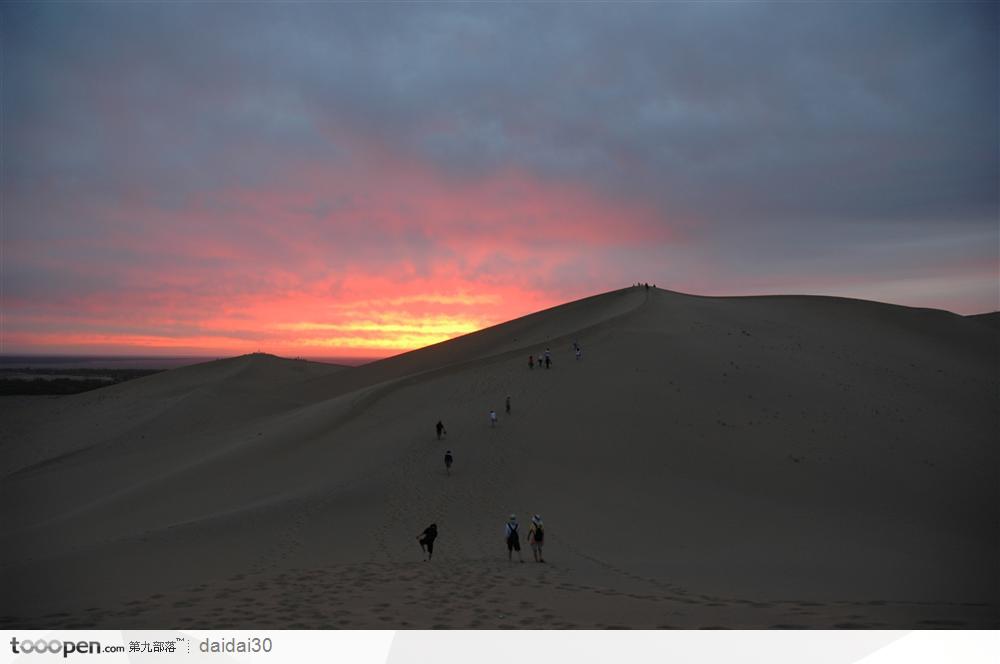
(358, 180)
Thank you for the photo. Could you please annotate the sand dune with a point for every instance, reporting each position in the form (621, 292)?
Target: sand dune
(757, 462)
(992, 319)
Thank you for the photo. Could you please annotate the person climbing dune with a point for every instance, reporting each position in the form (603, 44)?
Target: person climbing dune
(448, 459)
(536, 538)
(427, 539)
(513, 539)
(440, 430)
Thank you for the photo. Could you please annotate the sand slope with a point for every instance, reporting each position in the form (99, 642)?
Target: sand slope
(798, 461)
(992, 319)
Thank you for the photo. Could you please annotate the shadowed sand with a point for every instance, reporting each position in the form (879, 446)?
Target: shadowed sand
(710, 462)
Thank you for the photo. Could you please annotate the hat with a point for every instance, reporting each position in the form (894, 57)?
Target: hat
(536, 519)
(513, 517)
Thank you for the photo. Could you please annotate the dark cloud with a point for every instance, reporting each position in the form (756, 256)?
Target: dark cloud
(775, 138)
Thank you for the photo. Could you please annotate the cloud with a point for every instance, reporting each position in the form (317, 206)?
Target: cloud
(163, 162)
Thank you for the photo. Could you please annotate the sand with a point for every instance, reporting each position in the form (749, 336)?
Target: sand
(710, 462)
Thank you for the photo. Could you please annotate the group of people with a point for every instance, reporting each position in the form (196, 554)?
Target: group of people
(536, 538)
(546, 358)
(512, 536)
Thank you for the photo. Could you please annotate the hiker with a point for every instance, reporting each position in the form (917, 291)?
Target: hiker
(531, 361)
(513, 539)
(493, 418)
(536, 538)
(440, 430)
(548, 358)
(576, 345)
(539, 360)
(579, 353)
(427, 539)
(448, 459)
(507, 404)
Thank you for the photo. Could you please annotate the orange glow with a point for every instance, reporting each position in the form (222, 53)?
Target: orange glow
(378, 256)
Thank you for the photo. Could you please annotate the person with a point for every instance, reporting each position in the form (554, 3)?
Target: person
(536, 538)
(579, 353)
(507, 404)
(440, 430)
(548, 361)
(531, 361)
(513, 539)
(448, 459)
(427, 539)
(576, 345)
(539, 360)
(493, 418)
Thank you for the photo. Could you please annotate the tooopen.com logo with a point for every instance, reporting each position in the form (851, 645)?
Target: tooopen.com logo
(55, 647)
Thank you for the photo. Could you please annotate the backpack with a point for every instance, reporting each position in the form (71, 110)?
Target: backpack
(512, 531)
(539, 533)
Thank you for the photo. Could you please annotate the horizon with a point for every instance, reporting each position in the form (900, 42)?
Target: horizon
(360, 181)
(9, 361)
(7, 358)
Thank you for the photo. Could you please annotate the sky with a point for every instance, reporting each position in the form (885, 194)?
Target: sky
(358, 180)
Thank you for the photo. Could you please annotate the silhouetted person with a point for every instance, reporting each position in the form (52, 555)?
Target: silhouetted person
(531, 361)
(427, 539)
(507, 404)
(440, 430)
(493, 418)
(513, 538)
(448, 459)
(536, 538)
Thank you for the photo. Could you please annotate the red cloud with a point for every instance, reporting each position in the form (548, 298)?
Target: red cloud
(375, 255)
